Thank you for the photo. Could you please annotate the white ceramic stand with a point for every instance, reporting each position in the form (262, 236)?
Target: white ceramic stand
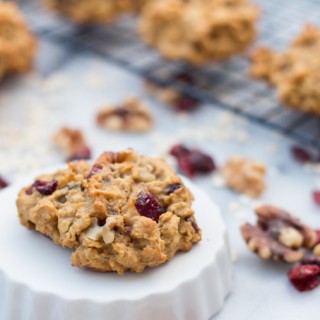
(37, 281)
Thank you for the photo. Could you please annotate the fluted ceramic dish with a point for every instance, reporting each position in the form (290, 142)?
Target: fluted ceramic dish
(37, 281)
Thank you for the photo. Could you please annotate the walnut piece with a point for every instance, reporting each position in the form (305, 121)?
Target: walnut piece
(73, 144)
(96, 232)
(245, 176)
(131, 116)
(278, 235)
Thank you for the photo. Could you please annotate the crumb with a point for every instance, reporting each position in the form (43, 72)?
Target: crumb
(245, 176)
(131, 116)
(72, 143)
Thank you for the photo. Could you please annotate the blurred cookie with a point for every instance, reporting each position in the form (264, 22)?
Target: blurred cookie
(17, 43)
(94, 11)
(295, 73)
(199, 31)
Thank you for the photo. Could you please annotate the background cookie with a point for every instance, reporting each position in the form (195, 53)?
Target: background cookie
(199, 31)
(17, 44)
(295, 73)
(94, 11)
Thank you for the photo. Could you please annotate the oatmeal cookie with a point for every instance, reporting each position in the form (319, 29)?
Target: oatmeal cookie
(94, 11)
(131, 116)
(295, 73)
(199, 31)
(17, 43)
(125, 212)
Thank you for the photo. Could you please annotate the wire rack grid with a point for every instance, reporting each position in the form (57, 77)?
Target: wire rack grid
(225, 85)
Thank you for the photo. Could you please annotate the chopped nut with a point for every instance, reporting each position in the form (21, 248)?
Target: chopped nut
(73, 144)
(275, 219)
(278, 235)
(245, 176)
(98, 231)
(131, 116)
(262, 243)
(94, 233)
(290, 237)
(107, 235)
(316, 250)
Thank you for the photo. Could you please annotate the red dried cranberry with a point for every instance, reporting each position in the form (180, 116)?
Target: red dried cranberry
(305, 277)
(179, 150)
(193, 223)
(201, 162)
(95, 169)
(301, 155)
(311, 260)
(192, 161)
(173, 187)
(316, 197)
(148, 206)
(82, 154)
(185, 166)
(46, 188)
(186, 103)
(3, 183)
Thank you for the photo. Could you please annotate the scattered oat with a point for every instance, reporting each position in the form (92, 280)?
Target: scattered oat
(218, 181)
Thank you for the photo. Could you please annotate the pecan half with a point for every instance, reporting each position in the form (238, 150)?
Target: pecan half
(278, 235)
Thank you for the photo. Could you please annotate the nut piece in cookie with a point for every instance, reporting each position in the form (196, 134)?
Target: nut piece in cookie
(94, 11)
(295, 73)
(126, 212)
(199, 31)
(72, 143)
(17, 43)
(131, 116)
(278, 235)
(245, 176)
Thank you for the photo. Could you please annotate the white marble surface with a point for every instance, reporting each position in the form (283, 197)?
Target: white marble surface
(32, 109)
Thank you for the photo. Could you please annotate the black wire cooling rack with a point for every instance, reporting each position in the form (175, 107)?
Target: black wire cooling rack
(225, 85)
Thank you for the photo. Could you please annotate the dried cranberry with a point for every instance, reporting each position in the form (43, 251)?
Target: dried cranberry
(186, 103)
(82, 154)
(192, 161)
(301, 155)
(193, 223)
(179, 150)
(3, 183)
(185, 166)
(95, 169)
(173, 187)
(316, 197)
(46, 188)
(305, 277)
(311, 260)
(201, 162)
(148, 206)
